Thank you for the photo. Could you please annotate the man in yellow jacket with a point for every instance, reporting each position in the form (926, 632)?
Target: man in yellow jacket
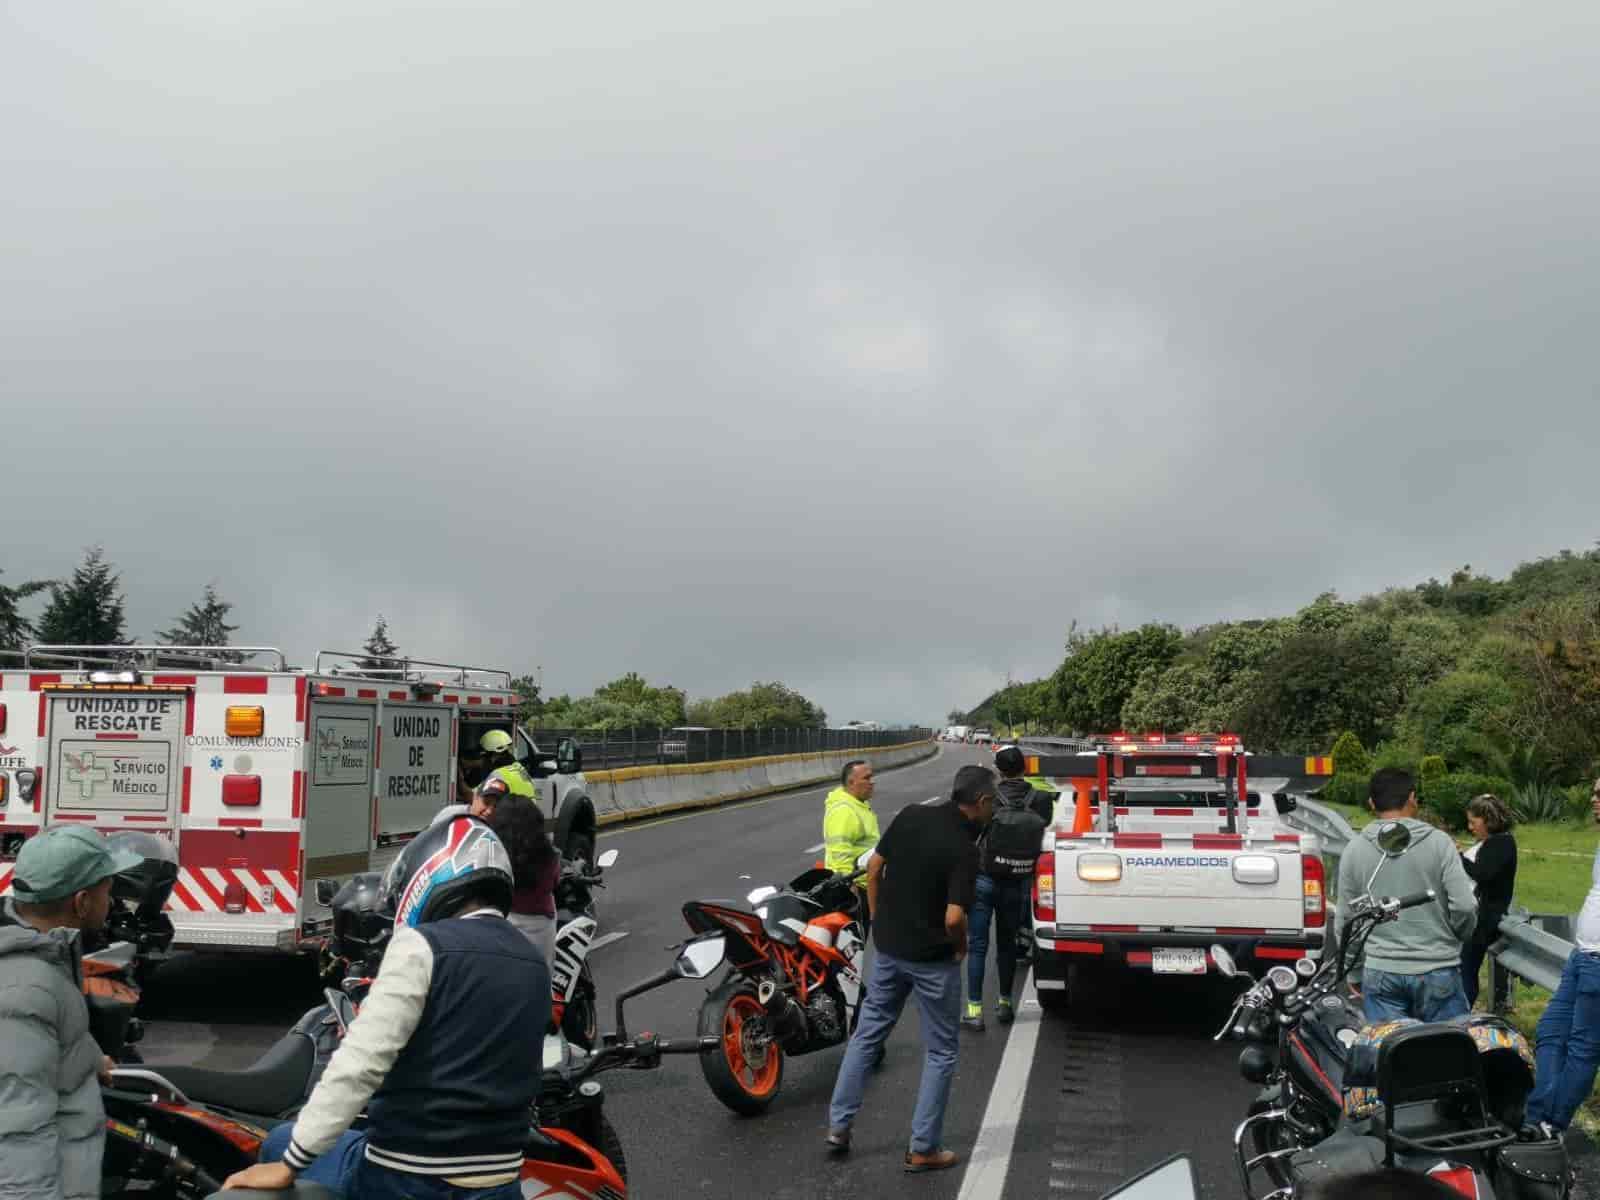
(849, 826)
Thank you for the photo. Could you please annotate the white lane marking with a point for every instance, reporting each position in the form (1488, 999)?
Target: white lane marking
(605, 939)
(817, 847)
(985, 1176)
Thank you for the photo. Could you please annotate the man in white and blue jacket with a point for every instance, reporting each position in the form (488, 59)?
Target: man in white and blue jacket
(444, 1054)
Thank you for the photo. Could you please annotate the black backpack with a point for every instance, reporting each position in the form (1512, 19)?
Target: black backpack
(1011, 845)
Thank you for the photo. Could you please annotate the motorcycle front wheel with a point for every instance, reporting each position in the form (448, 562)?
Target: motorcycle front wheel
(745, 1070)
(581, 1020)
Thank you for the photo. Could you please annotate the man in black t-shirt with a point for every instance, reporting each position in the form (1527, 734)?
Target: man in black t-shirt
(920, 882)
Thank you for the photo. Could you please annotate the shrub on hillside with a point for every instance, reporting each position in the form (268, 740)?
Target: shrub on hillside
(1447, 795)
(1350, 756)
(1432, 766)
(1346, 789)
(1579, 805)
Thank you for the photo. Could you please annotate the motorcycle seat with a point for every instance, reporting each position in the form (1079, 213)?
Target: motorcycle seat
(275, 1083)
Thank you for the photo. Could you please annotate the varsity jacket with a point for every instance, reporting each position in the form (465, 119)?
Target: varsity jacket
(444, 1055)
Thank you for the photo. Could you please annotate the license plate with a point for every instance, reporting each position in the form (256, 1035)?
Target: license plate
(1178, 962)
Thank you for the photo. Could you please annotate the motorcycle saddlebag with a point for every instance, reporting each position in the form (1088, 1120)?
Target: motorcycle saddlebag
(1532, 1171)
(1346, 1152)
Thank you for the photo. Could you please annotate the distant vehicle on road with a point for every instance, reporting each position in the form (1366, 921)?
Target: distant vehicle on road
(981, 737)
(676, 743)
(957, 733)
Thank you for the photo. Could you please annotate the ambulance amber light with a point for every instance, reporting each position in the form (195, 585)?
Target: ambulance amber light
(244, 721)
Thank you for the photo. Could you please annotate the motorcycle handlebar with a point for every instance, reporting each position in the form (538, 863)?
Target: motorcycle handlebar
(1244, 1016)
(1415, 899)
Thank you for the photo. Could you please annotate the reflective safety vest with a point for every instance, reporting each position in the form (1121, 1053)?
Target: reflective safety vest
(849, 830)
(515, 779)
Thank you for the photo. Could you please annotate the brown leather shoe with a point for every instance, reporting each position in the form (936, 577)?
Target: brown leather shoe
(933, 1160)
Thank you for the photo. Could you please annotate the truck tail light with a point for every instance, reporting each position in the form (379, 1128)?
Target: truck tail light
(241, 791)
(1313, 877)
(1044, 888)
(244, 721)
(233, 897)
(2, 718)
(5, 794)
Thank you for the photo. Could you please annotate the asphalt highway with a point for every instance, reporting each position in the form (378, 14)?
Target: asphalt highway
(1122, 1083)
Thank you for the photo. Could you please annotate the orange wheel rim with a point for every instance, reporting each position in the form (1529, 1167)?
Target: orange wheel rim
(754, 1067)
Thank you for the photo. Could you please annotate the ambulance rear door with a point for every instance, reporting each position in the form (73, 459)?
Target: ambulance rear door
(115, 754)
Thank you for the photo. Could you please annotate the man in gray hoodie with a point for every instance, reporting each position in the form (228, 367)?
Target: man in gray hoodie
(52, 1121)
(1413, 964)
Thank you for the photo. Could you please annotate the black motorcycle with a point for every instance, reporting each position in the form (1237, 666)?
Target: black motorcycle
(1339, 1097)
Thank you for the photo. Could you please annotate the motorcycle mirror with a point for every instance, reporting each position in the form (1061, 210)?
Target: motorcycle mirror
(761, 893)
(701, 957)
(606, 859)
(1394, 839)
(327, 889)
(1224, 962)
(1173, 1179)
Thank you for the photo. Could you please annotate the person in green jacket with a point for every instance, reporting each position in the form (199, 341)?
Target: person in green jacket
(849, 826)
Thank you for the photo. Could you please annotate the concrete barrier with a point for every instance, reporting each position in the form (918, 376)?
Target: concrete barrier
(632, 793)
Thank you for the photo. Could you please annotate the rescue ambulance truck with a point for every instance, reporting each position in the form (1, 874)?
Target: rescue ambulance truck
(1165, 845)
(269, 778)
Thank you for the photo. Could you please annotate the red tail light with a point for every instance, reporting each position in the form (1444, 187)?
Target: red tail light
(1460, 1179)
(1312, 879)
(1044, 888)
(233, 897)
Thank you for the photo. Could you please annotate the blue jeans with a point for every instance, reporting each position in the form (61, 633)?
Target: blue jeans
(890, 980)
(1002, 899)
(1569, 1043)
(1431, 996)
(345, 1170)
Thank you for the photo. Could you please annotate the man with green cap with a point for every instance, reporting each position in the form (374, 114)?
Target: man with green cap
(52, 1124)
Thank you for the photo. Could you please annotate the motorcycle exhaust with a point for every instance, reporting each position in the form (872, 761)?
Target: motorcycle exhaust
(787, 1019)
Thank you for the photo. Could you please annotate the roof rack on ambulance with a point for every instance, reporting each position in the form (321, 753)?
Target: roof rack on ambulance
(213, 658)
(412, 670)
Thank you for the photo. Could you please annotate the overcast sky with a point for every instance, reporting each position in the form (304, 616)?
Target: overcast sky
(861, 346)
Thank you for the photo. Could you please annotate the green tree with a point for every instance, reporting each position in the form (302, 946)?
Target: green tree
(382, 654)
(205, 624)
(1102, 669)
(15, 629)
(763, 705)
(529, 707)
(87, 610)
(1321, 682)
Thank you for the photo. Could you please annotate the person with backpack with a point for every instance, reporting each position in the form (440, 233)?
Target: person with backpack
(1005, 868)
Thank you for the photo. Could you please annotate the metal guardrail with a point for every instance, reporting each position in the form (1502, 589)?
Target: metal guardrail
(1530, 951)
(1332, 830)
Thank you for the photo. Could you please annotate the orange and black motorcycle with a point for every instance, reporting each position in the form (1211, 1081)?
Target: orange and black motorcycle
(793, 983)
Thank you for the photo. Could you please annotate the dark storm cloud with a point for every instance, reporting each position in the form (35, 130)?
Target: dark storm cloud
(862, 348)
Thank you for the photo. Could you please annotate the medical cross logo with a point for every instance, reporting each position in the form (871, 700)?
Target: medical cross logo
(83, 771)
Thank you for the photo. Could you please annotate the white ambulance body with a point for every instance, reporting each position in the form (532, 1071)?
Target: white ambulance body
(268, 778)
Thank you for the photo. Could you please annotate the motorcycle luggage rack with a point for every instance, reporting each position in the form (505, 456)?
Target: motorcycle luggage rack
(1426, 1064)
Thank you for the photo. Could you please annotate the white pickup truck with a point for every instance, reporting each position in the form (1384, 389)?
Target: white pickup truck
(1189, 851)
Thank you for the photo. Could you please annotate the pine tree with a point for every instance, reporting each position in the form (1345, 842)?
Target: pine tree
(15, 629)
(205, 624)
(382, 653)
(88, 609)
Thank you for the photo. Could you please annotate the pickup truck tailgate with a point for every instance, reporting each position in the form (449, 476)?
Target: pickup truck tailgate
(1175, 885)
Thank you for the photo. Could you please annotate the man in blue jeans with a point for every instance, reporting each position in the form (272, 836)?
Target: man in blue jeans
(920, 883)
(1569, 1030)
(1005, 868)
(1413, 963)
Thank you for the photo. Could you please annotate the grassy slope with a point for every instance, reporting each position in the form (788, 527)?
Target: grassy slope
(1553, 875)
